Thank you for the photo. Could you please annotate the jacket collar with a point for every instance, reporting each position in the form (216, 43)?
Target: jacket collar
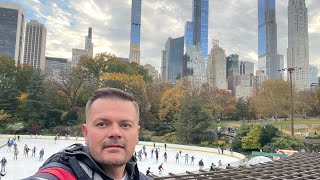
(82, 153)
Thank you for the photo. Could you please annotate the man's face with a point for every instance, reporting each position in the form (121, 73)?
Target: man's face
(112, 131)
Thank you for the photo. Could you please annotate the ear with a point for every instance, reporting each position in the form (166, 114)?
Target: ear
(85, 133)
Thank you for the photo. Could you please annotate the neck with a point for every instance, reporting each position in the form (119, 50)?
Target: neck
(115, 172)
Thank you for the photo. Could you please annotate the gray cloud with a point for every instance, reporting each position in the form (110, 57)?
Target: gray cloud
(233, 22)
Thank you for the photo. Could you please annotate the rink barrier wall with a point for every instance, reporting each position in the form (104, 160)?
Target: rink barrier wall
(238, 156)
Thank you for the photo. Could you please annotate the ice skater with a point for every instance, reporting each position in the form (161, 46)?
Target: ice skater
(186, 161)
(15, 154)
(160, 168)
(165, 156)
(177, 157)
(148, 173)
(41, 153)
(33, 151)
(192, 160)
(3, 165)
(201, 164)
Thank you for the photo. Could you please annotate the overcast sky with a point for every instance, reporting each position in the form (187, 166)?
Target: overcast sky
(232, 22)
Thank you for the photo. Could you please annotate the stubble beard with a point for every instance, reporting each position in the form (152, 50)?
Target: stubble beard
(105, 161)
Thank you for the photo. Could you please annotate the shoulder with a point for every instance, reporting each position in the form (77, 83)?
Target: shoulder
(53, 171)
(144, 177)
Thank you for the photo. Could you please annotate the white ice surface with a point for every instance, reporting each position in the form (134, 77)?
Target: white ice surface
(27, 166)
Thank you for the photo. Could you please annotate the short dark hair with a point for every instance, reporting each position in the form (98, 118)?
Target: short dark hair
(111, 93)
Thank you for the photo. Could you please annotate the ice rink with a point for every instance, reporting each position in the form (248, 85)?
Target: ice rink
(26, 166)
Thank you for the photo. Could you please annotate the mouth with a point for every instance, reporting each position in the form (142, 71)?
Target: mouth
(115, 146)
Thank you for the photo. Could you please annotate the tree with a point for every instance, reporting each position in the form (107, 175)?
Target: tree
(242, 109)
(220, 103)
(252, 139)
(273, 99)
(33, 103)
(170, 106)
(193, 121)
(267, 133)
(284, 142)
(241, 132)
(308, 103)
(69, 87)
(4, 116)
(8, 86)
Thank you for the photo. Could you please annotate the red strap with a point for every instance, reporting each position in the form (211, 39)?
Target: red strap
(60, 173)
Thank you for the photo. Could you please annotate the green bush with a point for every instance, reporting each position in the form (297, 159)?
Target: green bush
(144, 138)
(205, 143)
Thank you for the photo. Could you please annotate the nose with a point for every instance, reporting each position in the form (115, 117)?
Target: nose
(115, 132)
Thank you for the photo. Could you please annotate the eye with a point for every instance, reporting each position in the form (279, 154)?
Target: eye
(102, 124)
(126, 125)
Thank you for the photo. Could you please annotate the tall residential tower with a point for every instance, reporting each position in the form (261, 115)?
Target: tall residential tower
(12, 31)
(268, 59)
(200, 24)
(298, 43)
(134, 55)
(35, 45)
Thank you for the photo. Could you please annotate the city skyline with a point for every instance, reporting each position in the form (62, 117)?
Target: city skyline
(68, 22)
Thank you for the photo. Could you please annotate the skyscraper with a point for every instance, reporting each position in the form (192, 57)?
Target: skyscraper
(268, 59)
(134, 55)
(11, 31)
(188, 35)
(200, 24)
(171, 67)
(35, 45)
(88, 43)
(298, 43)
(217, 65)
(314, 75)
(232, 65)
(246, 67)
(195, 68)
(77, 53)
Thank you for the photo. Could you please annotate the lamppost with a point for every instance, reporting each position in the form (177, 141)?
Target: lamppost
(291, 95)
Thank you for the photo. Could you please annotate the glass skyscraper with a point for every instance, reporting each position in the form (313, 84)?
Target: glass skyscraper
(314, 75)
(269, 60)
(172, 60)
(134, 55)
(200, 24)
(188, 35)
(11, 31)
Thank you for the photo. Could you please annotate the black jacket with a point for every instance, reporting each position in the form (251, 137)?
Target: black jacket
(76, 159)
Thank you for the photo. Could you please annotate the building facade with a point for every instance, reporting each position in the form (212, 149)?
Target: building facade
(232, 64)
(152, 71)
(172, 61)
(246, 67)
(314, 75)
(88, 43)
(243, 86)
(268, 59)
(188, 35)
(12, 27)
(35, 45)
(217, 75)
(134, 55)
(195, 67)
(77, 53)
(298, 43)
(54, 65)
(200, 24)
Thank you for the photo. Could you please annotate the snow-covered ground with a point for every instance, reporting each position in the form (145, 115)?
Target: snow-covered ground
(27, 166)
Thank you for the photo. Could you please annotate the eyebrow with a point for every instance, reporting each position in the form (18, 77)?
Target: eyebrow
(108, 120)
